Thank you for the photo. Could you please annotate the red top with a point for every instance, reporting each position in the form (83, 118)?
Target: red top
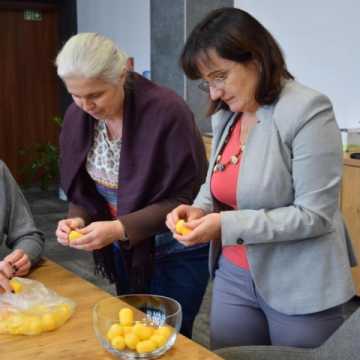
(223, 188)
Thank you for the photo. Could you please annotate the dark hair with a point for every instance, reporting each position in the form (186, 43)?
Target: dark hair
(235, 35)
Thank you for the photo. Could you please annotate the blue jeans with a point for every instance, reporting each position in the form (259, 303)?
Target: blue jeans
(179, 272)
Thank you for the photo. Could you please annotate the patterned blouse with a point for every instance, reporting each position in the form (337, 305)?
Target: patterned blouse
(102, 164)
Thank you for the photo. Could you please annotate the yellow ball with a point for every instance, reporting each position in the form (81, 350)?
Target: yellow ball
(65, 310)
(16, 323)
(143, 331)
(165, 331)
(126, 317)
(131, 341)
(114, 330)
(48, 322)
(34, 325)
(74, 235)
(61, 313)
(118, 343)
(159, 340)
(181, 228)
(16, 319)
(145, 346)
(16, 286)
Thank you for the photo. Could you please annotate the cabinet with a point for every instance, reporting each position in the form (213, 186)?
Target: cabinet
(350, 207)
(207, 142)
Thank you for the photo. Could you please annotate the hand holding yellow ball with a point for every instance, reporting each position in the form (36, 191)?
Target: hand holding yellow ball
(75, 235)
(181, 228)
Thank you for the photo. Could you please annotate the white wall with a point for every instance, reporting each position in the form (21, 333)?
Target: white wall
(320, 40)
(127, 22)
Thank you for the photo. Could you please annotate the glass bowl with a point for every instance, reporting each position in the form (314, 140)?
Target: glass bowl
(151, 310)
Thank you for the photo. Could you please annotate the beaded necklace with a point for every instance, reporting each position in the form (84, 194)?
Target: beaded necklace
(234, 158)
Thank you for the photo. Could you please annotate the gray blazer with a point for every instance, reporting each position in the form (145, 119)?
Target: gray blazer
(299, 251)
(17, 225)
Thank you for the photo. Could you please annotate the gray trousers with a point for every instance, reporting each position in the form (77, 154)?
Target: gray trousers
(240, 317)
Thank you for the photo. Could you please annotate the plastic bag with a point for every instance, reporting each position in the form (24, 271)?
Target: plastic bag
(32, 309)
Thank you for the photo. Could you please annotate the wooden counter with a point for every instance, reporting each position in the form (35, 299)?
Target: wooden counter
(207, 139)
(350, 207)
(351, 162)
(76, 339)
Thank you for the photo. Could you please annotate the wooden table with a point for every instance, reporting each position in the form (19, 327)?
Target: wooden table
(350, 207)
(76, 338)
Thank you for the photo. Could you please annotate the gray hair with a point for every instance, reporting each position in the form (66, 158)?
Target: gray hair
(91, 55)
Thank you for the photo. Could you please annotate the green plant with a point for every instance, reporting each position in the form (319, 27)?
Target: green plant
(42, 162)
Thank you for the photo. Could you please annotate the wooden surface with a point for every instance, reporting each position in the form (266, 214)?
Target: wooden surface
(76, 338)
(207, 142)
(351, 162)
(350, 207)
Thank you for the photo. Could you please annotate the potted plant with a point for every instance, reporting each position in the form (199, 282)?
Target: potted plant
(43, 162)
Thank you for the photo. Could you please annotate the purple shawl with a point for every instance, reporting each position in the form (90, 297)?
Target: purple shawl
(163, 164)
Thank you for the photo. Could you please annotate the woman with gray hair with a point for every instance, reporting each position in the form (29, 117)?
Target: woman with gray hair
(130, 153)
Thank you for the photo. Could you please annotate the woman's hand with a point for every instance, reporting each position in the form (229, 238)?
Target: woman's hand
(65, 226)
(19, 261)
(98, 235)
(6, 273)
(186, 212)
(204, 229)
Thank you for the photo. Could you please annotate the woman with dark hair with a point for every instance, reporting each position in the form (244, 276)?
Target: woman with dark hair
(130, 152)
(269, 206)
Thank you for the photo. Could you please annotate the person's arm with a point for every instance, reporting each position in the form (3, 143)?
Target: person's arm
(16, 220)
(76, 211)
(316, 174)
(183, 171)
(147, 221)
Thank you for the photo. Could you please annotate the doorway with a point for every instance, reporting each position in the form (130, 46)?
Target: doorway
(30, 93)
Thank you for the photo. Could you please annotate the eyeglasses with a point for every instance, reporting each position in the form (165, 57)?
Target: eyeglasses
(218, 82)
(220, 77)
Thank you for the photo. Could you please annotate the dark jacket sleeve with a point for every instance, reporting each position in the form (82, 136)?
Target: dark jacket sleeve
(179, 164)
(142, 224)
(78, 211)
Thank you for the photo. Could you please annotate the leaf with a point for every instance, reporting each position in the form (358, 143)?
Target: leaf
(43, 161)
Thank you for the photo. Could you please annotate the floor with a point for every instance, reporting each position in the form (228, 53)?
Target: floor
(48, 209)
